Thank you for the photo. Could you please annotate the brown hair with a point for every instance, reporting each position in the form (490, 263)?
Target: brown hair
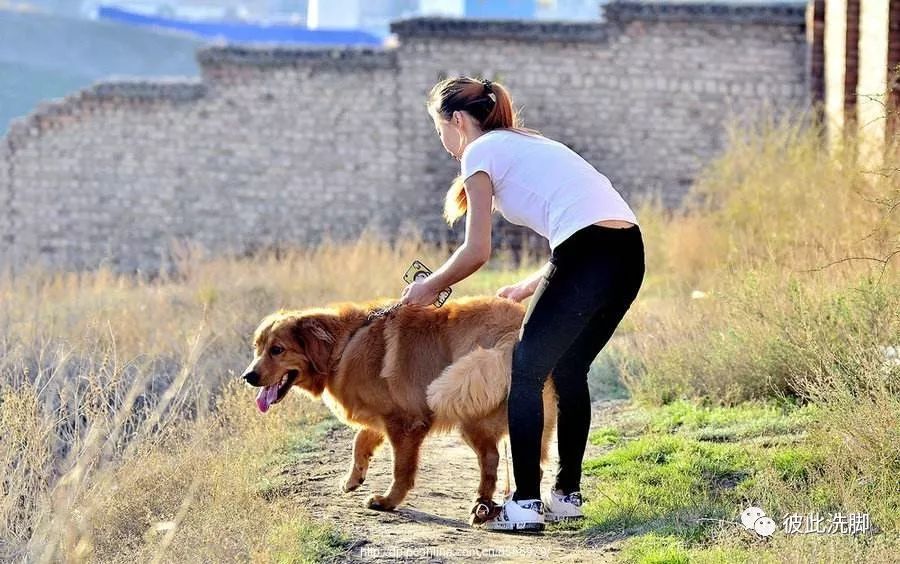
(490, 104)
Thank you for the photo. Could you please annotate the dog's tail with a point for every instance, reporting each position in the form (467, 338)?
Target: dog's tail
(475, 384)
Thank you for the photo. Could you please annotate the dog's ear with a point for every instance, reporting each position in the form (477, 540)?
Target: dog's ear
(314, 337)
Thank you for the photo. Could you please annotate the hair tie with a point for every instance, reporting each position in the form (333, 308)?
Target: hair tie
(488, 89)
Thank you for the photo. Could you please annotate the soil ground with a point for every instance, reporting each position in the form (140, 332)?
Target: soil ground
(432, 523)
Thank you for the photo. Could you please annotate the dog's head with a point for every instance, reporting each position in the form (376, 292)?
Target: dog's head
(290, 349)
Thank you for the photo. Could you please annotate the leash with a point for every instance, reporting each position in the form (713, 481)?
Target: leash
(506, 456)
(387, 310)
(370, 317)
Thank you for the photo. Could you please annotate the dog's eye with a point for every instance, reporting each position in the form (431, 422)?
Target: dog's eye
(276, 350)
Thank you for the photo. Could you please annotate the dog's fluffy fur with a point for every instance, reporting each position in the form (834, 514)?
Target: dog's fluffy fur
(400, 376)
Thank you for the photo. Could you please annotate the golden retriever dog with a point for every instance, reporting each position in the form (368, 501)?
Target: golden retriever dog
(400, 373)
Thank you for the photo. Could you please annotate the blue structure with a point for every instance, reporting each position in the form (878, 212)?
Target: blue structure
(243, 32)
(501, 9)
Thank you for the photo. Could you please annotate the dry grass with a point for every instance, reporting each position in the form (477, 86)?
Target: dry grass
(126, 435)
(785, 244)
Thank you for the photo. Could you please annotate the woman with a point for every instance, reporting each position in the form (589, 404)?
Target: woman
(594, 273)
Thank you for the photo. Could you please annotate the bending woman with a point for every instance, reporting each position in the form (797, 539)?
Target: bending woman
(578, 299)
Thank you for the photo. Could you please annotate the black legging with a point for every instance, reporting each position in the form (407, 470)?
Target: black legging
(593, 278)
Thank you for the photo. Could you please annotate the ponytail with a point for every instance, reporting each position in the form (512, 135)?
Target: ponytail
(456, 202)
(490, 104)
(501, 114)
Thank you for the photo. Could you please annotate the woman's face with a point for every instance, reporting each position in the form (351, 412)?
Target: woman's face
(449, 132)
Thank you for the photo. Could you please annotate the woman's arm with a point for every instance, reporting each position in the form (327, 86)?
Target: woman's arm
(476, 250)
(471, 255)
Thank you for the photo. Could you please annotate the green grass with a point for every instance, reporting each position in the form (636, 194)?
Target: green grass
(675, 495)
(664, 482)
(662, 549)
(605, 436)
(301, 542)
(721, 424)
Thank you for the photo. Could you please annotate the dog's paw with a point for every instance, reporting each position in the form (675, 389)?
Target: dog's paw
(351, 483)
(380, 503)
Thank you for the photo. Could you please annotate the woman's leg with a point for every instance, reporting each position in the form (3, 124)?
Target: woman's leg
(560, 311)
(571, 372)
(585, 281)
(573, 399)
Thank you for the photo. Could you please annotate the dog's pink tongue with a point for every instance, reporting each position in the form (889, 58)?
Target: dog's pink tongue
(265, 397)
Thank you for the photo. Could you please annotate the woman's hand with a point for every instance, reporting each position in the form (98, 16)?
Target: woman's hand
(419, 293)
(516, 292)
(521, 290)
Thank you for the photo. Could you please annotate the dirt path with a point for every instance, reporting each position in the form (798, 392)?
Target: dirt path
(432, 524)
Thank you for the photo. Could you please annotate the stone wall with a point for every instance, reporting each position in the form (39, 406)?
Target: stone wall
(643, 97)
(280, 146)
(269, 149)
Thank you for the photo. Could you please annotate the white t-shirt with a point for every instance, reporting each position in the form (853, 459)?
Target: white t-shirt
(542, 184)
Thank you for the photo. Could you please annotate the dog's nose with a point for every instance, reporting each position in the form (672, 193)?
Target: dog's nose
(251, 378)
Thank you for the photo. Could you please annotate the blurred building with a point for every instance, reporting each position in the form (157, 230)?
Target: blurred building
(372, 16)
(501, 9)
(220, 10)
(513, 9)
(443, 8)
(70, 8)
(570, 9)
(243, 31)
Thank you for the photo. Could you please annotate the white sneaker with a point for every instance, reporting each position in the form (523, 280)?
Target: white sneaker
(522, 515)
(561, 507)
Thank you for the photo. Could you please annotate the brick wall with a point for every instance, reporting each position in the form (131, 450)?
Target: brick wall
(277, 146)
(271, 148)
